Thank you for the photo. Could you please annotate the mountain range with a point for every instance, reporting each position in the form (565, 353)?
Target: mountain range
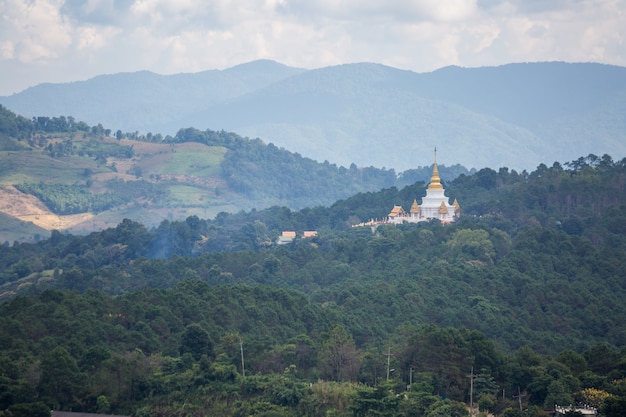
(515, 115)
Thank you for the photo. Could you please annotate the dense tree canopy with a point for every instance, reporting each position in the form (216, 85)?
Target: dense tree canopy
(211, 317)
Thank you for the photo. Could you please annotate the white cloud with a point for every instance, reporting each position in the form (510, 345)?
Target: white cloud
(7, 50)
(35, 30)
(401, 10)
(93, 38)
(55, 40)
(445, 10)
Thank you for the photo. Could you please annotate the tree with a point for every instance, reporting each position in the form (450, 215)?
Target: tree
(196, 341)
(37, 409)
(339, 356)
(447, 408)
(615, 407)
(558, 394)
(594, 397)
(61, 383)
(574, 361)
(474, 244)
(378, 401)
(513, 412)
(442, 352)
(102, 405)
(601, 358)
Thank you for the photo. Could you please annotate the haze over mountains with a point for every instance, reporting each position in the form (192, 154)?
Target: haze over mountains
(516, 115)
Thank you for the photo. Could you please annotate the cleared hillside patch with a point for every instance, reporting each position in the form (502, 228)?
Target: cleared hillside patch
(189, 196)
(195, 159)
(33, 166)
(27, 215)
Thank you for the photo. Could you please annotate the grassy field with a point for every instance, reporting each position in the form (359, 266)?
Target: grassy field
(184, 195)
(194, 159)
(33, 166)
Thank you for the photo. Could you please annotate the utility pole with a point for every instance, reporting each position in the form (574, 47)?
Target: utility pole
(388, 360)
(471, 377)
(243, 368)
(519, 397)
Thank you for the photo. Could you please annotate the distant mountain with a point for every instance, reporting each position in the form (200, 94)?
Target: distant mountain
(516, 115)
(144, 100)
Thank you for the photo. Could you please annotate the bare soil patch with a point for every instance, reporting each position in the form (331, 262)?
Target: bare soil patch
(30, 209)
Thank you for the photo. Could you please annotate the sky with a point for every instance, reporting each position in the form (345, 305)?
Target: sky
(62, 41)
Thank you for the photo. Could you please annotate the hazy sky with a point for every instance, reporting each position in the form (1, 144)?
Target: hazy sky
(58, 41)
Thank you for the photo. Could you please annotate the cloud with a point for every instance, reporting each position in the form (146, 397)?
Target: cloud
(55, 40)
(569, 31)
(93, 37)
(98, 12)
(34, 31)
(399, 10)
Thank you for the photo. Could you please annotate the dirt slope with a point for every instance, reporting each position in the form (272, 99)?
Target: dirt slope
(30, 209)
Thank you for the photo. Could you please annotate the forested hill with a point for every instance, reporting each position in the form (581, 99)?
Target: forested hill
(515, 115)
(60, 173)
(212, 317)
(541, 254)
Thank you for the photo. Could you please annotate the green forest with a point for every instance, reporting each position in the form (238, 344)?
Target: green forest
(514, 309)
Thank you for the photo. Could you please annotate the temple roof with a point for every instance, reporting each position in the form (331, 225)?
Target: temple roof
(397, 211)
(415, 208)
(443, 209)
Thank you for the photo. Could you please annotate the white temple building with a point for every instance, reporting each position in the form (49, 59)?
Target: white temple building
(435, 205)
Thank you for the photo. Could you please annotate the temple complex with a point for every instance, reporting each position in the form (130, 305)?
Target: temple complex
(435, 205)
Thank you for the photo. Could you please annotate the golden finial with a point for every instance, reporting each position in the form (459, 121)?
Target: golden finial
(435, 181)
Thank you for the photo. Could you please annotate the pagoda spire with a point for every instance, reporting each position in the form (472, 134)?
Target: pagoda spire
(435, 181)
(415, 208)
(457, 207)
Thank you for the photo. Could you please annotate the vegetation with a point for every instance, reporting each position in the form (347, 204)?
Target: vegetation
(262, 172)
(179, 352)
(70, 199)
(73, 168)
(210, 317)
(514, 308)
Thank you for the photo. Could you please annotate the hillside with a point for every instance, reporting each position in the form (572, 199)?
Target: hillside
(523, 244)
(57, 173)
(515, 115)
(211, 317)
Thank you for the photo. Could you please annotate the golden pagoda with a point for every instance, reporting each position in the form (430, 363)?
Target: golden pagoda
(435, 204)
